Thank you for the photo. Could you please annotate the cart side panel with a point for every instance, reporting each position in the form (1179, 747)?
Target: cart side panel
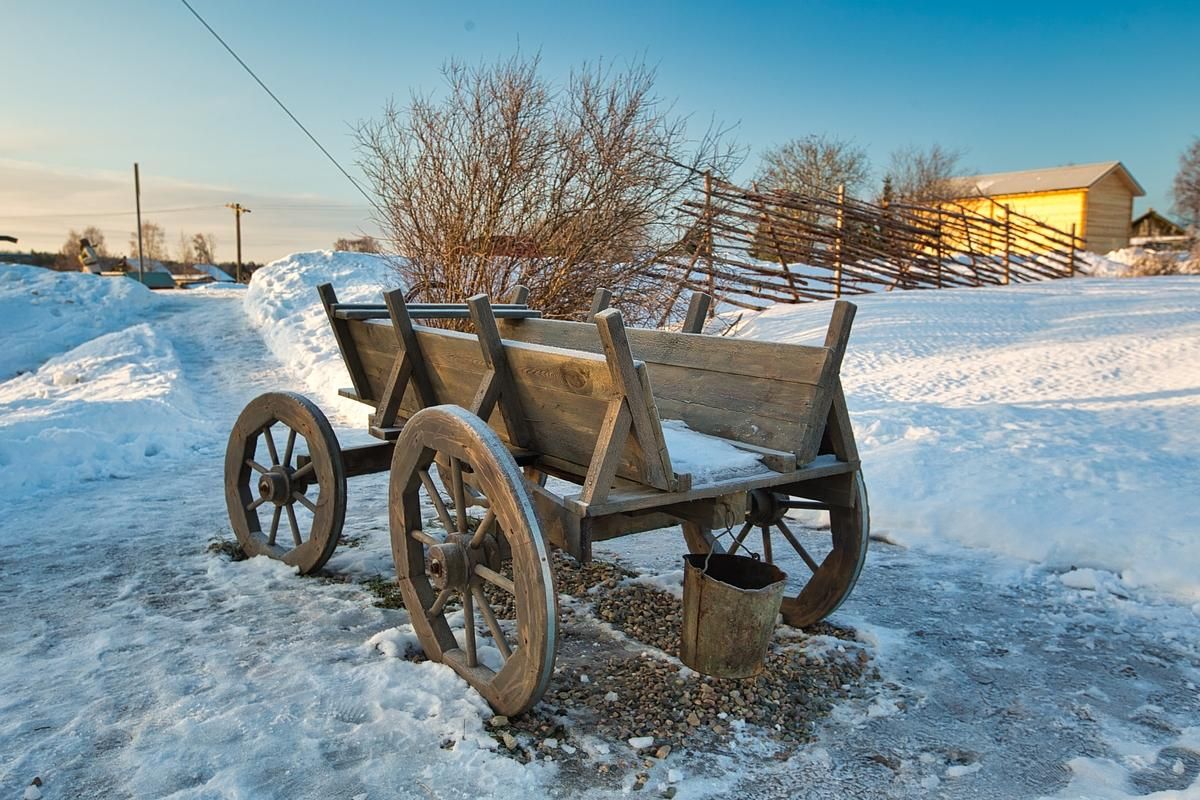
(564, 394)
(761, 393)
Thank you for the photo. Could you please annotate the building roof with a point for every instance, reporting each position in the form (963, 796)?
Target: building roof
(1051, 179)
(1166, 226)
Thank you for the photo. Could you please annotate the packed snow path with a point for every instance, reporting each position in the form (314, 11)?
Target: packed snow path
(135, 664)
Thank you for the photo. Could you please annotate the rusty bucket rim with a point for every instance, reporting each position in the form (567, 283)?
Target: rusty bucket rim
(705, 558)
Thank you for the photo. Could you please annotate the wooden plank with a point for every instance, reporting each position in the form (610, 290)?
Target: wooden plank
(407, 343)
(492, 350)
(697, 313)
(344, 342)
(642, 498)
(367, 459)
(836, 338)
(607, 455)
(600, 301)
(633, 383)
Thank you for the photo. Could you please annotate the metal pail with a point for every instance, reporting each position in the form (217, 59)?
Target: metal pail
(729, 608)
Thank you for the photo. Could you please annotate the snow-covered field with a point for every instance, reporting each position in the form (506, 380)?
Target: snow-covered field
(1031, 454)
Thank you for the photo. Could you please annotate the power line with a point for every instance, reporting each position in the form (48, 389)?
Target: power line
(279, 102)
(69, 215)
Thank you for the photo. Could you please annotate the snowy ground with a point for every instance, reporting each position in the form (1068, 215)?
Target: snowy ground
(1008, 435)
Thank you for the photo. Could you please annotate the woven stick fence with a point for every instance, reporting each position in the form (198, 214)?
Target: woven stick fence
(751, 247)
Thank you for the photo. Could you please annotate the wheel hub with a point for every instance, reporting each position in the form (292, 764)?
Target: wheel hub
(276, 486)
(766, 508)
(450, 565)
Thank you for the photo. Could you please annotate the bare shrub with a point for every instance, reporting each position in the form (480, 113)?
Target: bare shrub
(925, 175)
(1149, 263)
(1186, 187)
(508, 179)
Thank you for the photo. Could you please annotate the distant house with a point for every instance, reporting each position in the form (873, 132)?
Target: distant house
(1153, 229)
(1096, 198)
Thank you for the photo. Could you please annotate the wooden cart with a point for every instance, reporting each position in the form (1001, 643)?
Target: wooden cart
(496, 413)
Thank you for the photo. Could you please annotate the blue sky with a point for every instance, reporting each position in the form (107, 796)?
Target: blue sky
(88, 88)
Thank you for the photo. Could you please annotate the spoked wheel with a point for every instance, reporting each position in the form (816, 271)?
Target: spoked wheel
(829, 560)
(461, 565)
(284, 463)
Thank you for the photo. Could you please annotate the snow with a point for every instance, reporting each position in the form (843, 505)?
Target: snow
(707, 458)
(282, 303)
(43, 312)
(1054, 422)
(106, 409)
(216, 273)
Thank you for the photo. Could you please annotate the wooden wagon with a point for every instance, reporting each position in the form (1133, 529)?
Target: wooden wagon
(532, 433)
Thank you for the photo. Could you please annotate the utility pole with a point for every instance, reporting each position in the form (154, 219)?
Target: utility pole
(238, 210)
(137, 194)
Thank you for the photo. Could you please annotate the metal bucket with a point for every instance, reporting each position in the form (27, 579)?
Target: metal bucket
(729, 609)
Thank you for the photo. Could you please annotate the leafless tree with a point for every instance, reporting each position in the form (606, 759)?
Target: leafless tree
(186, 254)
(204, 245)
(1187, 185)
(815, 163)
(925, 175)
(362, 244)
(508, 179)
(154, 242)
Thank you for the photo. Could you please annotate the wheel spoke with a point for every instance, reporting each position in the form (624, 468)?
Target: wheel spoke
(303, 500)
(435, 497)
(799, 548)
(460, 495)
(741, 537)
(440, 603)
(307, 469)
(491, 576)
(483, 528)
(295, 527)
(256, 503)
(424, 538)
(291, 445)
(489, 617)
(766, 540)
(275, 524)
(257, 467)
(469, 628)
(271, 445)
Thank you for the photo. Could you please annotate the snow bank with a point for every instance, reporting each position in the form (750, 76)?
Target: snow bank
(43, 312)
(1118, 263)
(107, 409)
(282, 302)
(1054, 422)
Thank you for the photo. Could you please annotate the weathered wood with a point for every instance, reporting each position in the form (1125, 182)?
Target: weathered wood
(406, 342)
(428, 572)
(634, 385)
(340, 335)
(609, 444)
(367, 459)
(697, 312)
(361, 314)
(496, 361)
(278, 484)
(601, 300)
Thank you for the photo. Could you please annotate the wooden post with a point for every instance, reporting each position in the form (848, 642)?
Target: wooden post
(600, 301)
(137, 194)
(1071, 262)
(1008, 246)
(837, 243)
(698, 308)
(238, 210)
(708, 235)
(937, 248)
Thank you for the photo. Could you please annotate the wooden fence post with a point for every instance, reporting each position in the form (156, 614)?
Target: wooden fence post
(1071, 262)
(708, 235)
(938, 249)
(837, 242)
(1007, 246)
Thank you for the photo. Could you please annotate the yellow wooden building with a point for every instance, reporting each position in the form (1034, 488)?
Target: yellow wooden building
(1097, 199)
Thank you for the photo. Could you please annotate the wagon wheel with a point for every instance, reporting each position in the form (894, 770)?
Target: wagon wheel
(281, 449)
(831, 561)
(514, 671)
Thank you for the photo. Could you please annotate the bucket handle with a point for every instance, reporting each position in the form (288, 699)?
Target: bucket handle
(727, 532)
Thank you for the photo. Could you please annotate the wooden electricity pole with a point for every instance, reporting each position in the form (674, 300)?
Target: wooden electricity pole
(137, 194)
(238, 210)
